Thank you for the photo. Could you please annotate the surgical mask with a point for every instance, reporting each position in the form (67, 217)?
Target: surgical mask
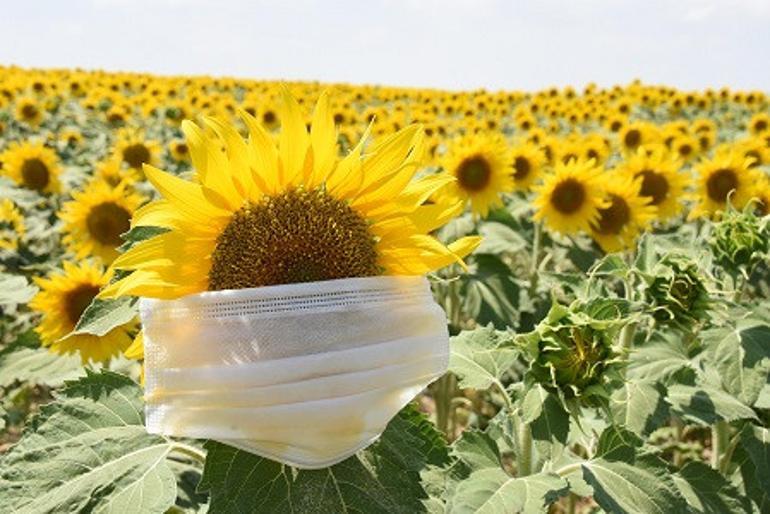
(304, 374)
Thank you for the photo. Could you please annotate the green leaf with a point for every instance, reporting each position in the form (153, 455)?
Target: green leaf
(639, 406)
(659, 360)
(624, 488)
(491, 292)
(89, 451)
(477, 450)
(103, 315)
(499, 239)
(493, 491)
(38, 366)
(756, 442)
(708, 492)
(15, 289)
(481, 357)
(742, 358)
(384, 478)
(706, 404)
(549, 420)
(139, 234)
(617, 443)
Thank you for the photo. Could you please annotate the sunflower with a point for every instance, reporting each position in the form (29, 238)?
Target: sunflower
(627, 214)
(482, 167)
(12, 227)
(112, 172)
(569, 199)
(528, 161)
(95, 219)
(634, 135)
(727, 176)
(685, 146)
(761, 196)
(31, 165)
(755, 149)
(28, 111)
(71, 137)
(179, 150)
(759, 123)
(62, 299)
(261, 213)
(134, 150)
(661, 181)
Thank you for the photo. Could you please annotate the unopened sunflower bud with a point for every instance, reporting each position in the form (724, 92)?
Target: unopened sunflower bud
(572, 351)
(740, 239)
(676, 293)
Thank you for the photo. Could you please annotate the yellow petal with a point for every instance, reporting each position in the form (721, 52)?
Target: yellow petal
(187, 198)
(323, 138)
(292, 141)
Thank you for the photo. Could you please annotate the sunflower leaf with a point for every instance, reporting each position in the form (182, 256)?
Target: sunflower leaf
(89, 451)
(37, 366)
(103, 315)
(383, 478)
(481, 357)
(492, 490)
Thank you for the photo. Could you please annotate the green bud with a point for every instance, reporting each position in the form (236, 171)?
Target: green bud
(676, 292)
(574, 352)
(740, 239)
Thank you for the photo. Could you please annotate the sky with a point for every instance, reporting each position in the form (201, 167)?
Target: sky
(448, 44)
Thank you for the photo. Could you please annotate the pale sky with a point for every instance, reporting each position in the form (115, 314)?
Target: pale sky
(451, 44)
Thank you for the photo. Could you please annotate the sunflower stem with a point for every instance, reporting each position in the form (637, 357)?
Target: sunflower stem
(525, 450)
(720, 437)
(190, 451)
(535, 261)
(447, 385)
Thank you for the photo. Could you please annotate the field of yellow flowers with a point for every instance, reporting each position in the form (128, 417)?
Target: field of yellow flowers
(602, 256)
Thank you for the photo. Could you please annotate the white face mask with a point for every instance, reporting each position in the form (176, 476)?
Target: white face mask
(305, 374)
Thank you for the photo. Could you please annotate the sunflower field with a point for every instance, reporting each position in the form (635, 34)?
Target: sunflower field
(601, 256)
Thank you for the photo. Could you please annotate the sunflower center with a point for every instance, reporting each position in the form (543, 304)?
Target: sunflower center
(654, 186)
(268, 118)
(633, 138)
(474, 173)
(182, 149)
(107, 221)
(568, 196)
(35, 174)
(760, 125)
(720, 183)
(613, 218)
(297, 236)
(77, 300)
(522, 167)
(29, 111)
(136, 155)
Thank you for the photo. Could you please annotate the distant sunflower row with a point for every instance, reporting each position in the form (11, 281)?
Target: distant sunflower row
(606, 163)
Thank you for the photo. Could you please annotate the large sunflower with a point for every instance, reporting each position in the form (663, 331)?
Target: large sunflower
(96, 217)
(662, 183)
(569, 199)
(262, 214)
(31, 165)
(627, 214)
(62, 299)
(481, 164)
(728, 175)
